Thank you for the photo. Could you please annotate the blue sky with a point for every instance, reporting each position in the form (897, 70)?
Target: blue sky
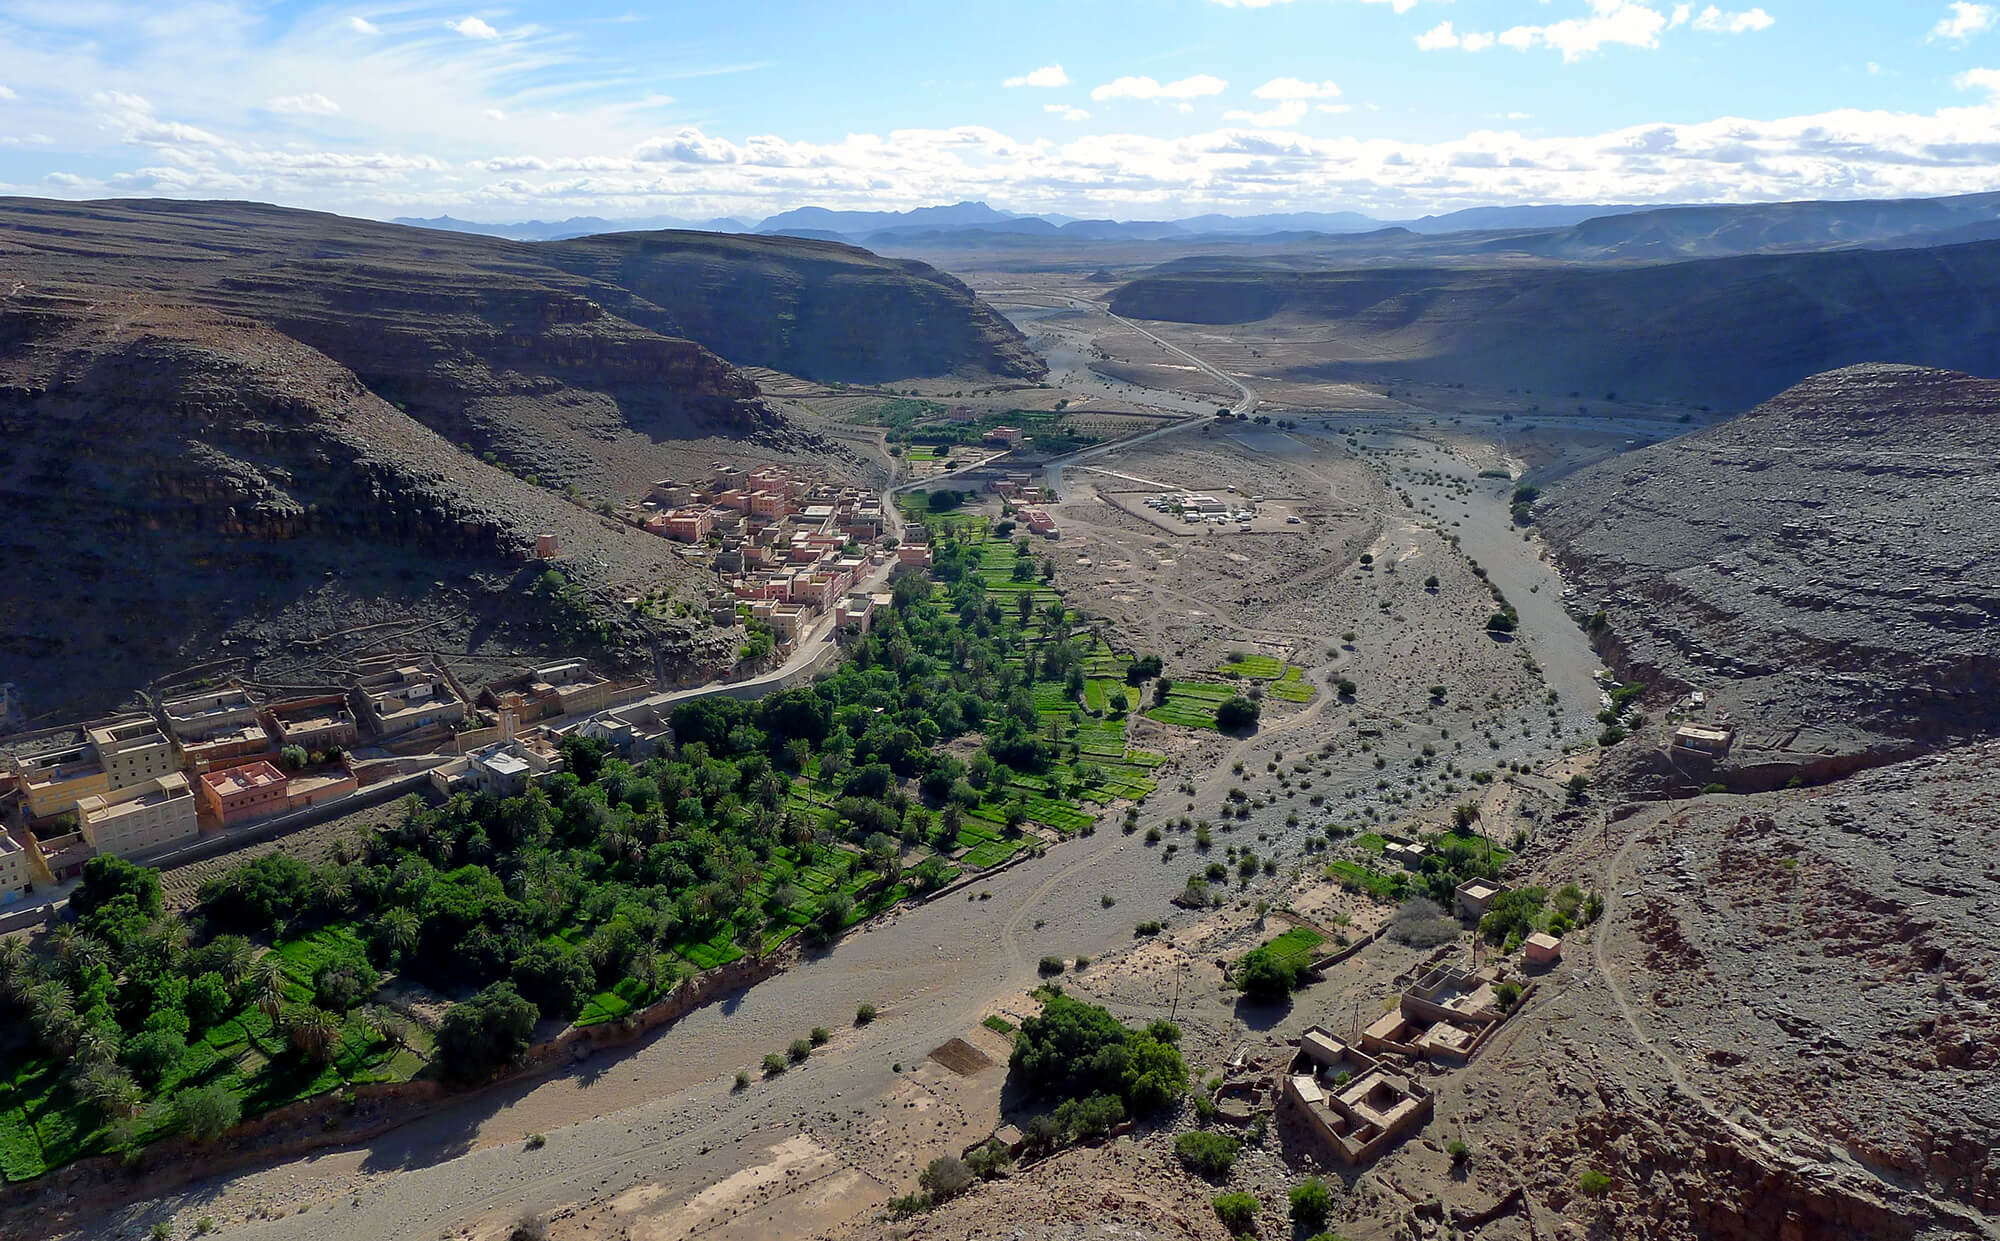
(1124, 108)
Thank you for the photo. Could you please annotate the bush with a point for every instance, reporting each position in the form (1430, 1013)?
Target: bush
(1422, 923)
(204, 1113)
(774, 1064)
(742, 1079)
(864, 1014)
(1237, 1211)
(1073, 1050)
(340, 984)
(1208, 1153)
(819, 1036)
(1508, 994)
(1593, 1183)
(1311, 1202)
(1265, 978)
(485, 1033)
(945, 1177)
(152, 1054)
(1460, 1153)
(1050, 966)
(799, 1050)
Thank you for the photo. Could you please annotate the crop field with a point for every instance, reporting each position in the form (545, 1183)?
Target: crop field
(1361, 878)
(1291, 687)
(1191, 704)
(1254, 667)
(1297, 946)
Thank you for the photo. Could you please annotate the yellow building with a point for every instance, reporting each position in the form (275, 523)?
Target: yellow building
(134, 751)
(15, 872)
(55, 778)
(140, 819)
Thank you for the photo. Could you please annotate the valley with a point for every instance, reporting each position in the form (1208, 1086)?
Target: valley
(1467, 630)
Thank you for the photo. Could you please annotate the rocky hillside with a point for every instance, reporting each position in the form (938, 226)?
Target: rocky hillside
(1724, 332)
(1821, 566)
(229, 431)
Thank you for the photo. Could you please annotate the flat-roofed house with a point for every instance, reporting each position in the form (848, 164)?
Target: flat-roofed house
(16, 872)
(140, 819)
(315, 722)
(133, 751)
(55, 777)
(220, 729)
(1702, 739)
(406, 698)
(1351, 1103)
(239, 793)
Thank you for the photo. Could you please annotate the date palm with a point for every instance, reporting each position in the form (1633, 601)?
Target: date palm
(264, 985)
(312, 1031)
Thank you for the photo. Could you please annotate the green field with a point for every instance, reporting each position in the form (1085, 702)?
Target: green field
(1191, 704)
(1255, 667)
(1378, 885)
(1297, 946)
(1291, 687)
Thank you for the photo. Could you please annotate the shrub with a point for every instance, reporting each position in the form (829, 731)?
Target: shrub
(1508, 994)
(204, 1113)
(1050, 966)
(945, 1177)
(742, 1079)
(536, 1141)
(1237, 1211)
(340, 984)
(1422, 923)
(799, 1050)
(864, 1014)
(1311, 1202)
(1208, 1153)
(819, 1036)
(152, 1054)
(774, 1064)
(1460, 1153)
(1593, 1183)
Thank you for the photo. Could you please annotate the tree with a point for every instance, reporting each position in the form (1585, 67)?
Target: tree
(208, 1000)
(152, 1054)
(1162, 690)
(340, 984)
(555, 978)
(204, 1113)
(1237, 1211)
(1265, 978)
(1311, 1203)
(294, 757)
(485, 1033)
(1237, 714)
(312, 1031)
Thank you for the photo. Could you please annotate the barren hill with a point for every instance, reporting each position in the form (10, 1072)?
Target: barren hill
(1724, 332)
(227, 430)
(1821, 566)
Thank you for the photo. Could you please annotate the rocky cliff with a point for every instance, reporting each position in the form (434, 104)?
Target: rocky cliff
(1724, 332)
(1821, 566)
(228, 428)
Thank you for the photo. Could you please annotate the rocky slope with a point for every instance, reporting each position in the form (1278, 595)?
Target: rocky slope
(227, 428)
(1821, 566)
(1725, 332)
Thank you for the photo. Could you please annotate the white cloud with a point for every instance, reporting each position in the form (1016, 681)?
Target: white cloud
(1293, 88)
(1147, 88)
(1401, 6)
(1716, 21)
(1987, 80)
(1066, 111)
(1437, 38)
(1047, 75)
(474, 28)
(361, 25)
(1963, 21)
(1289, 112)
(6, 94)
(494, 114)
(309, 104)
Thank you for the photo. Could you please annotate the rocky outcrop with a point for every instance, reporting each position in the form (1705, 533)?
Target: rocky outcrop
(1819, 566)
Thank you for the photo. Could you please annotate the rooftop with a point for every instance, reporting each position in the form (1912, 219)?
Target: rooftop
(244, 779)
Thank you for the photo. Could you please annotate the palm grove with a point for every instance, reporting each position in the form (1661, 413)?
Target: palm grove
(594, 893)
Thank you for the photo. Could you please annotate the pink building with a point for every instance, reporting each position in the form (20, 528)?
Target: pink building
(241, 793)
(690, 525)
(914, 554)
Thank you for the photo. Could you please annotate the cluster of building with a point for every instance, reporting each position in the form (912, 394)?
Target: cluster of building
(1025, 498)
(141, 783)
(789, 548)
(1214, 510)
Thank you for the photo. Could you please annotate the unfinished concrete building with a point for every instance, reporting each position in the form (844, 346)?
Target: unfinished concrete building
(218, 729)
(1352, 1104)
(1446, 1016)
(313, 722)
(567, 688)
(405, 697)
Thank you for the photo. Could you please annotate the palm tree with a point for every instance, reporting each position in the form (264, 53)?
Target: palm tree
(313, 1031)
(265, 985)
(396, 931)
(110, 1089)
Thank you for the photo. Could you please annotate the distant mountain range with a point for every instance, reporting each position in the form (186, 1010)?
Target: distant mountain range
(1563, 232)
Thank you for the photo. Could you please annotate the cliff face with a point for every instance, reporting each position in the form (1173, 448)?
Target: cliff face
(178, 483)
(1820, 565)
(812, 308)
(1725, 332)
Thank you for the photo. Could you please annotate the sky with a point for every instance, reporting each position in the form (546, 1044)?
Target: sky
(1128, 109)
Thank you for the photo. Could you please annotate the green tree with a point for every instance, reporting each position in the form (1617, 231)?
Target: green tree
(1265, 978)
(1237, 714)
(1237, 1211)
(1209, 1153)
(1311, 1203)
(204, 1113)
(485, 1033)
